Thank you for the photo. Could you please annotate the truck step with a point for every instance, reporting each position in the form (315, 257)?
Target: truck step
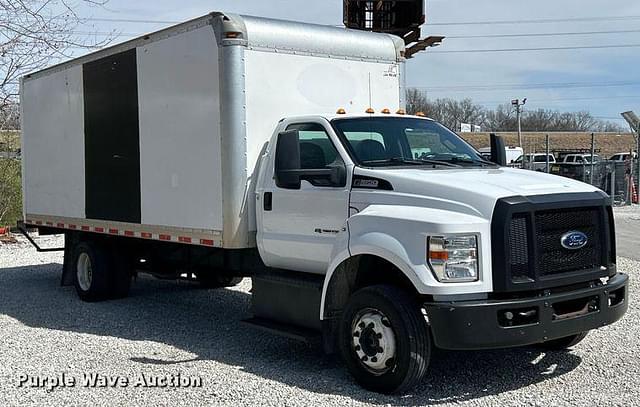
(305, 335)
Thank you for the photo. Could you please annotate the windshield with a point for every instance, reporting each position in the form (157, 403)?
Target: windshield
(379, 141)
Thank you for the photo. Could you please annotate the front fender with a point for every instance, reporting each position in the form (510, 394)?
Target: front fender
(398, 234)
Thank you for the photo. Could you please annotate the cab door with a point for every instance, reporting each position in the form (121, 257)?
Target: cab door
(298, 226)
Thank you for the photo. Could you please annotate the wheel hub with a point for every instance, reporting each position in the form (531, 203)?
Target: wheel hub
(374, 340)
(84, 271)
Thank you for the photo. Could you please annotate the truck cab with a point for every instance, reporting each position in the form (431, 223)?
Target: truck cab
(404, 222)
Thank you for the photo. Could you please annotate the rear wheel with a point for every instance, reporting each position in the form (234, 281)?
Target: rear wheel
(91, 264)
(384, 339)
(563, 343)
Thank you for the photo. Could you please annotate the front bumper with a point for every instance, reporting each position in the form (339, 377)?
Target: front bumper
(491, 324)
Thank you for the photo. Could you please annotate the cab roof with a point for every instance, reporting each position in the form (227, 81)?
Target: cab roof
(333, 116)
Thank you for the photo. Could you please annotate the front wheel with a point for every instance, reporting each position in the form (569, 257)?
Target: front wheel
(384, 339)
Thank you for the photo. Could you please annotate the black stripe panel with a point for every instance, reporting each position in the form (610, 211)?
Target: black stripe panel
(112, 138)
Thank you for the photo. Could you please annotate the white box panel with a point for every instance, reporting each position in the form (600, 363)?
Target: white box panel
(180, 167)
(53, 144)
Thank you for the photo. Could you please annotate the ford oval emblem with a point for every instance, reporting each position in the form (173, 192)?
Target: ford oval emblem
(574, 240)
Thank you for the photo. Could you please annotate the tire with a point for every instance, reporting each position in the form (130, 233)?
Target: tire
(563, 343)
(403, 341)
(213, 279)
(91, 270)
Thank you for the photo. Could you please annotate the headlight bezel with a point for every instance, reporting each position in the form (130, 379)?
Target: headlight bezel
(438, 265)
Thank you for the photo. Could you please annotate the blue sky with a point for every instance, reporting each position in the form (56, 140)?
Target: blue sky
(458, 75)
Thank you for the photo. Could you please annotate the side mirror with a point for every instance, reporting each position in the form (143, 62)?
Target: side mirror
(287, 164)
(498, 151)
(338, 177)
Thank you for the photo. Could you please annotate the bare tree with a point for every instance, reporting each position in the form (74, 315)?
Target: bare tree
(452, 112)
(446, 111)
(33, 35)
(503, 117)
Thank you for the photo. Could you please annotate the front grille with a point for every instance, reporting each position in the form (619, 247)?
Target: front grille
(527, 246)
(519, 247)
(550, 226)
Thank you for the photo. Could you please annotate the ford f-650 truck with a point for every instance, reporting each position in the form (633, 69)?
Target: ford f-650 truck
(206, 151)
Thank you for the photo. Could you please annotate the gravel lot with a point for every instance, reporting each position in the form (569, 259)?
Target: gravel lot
(170, 328)
(627, 228)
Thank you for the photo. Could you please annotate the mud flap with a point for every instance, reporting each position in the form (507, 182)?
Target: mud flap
(68, 276)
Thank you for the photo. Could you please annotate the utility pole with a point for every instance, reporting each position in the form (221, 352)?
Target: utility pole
(519, 105)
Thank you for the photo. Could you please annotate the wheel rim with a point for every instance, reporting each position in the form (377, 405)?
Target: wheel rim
(374, 341)
(84, 271)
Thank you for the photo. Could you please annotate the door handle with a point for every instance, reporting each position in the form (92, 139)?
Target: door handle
(268, 201)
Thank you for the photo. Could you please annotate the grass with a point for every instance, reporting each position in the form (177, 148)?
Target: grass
(10, 192)
(9, 140)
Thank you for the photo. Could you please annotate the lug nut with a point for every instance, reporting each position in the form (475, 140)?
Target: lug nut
(364, 359)
(374, 359)
(357, 348)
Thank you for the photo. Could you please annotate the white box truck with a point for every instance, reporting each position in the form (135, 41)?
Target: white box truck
(205, 150)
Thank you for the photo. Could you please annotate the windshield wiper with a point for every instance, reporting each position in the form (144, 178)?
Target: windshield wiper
(401, 160)
(471, 161)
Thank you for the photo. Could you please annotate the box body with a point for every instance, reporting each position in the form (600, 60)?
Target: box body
(159, 137)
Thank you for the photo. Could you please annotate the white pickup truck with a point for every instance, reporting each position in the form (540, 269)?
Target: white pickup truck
(204, 151)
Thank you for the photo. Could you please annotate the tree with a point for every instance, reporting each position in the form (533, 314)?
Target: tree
(33, 34)
(449, 112)
(452, 112)
(503, 117)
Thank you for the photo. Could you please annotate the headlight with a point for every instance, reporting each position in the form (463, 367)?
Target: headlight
(453, 259)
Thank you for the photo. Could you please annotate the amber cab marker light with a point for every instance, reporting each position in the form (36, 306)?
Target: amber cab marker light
(386, 111)
(401, 112)
(370, 110)
(341, 111)
(420, 114)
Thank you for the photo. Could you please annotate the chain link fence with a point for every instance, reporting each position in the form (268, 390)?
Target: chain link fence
(619, 179)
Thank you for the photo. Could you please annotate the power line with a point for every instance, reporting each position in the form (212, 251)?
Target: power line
(539, 21)
(129, 20)
(488, 22)
(536, 49)
(539, 101)
(558, 34)
(609, 118)
(452, 37)
(514, 86)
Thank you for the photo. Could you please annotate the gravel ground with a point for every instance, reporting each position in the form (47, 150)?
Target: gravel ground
(627, 228)
(172, 328)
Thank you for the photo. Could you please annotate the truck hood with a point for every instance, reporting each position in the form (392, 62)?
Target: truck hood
(472, 191)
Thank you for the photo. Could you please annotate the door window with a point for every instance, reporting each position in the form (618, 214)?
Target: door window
(316, 149)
